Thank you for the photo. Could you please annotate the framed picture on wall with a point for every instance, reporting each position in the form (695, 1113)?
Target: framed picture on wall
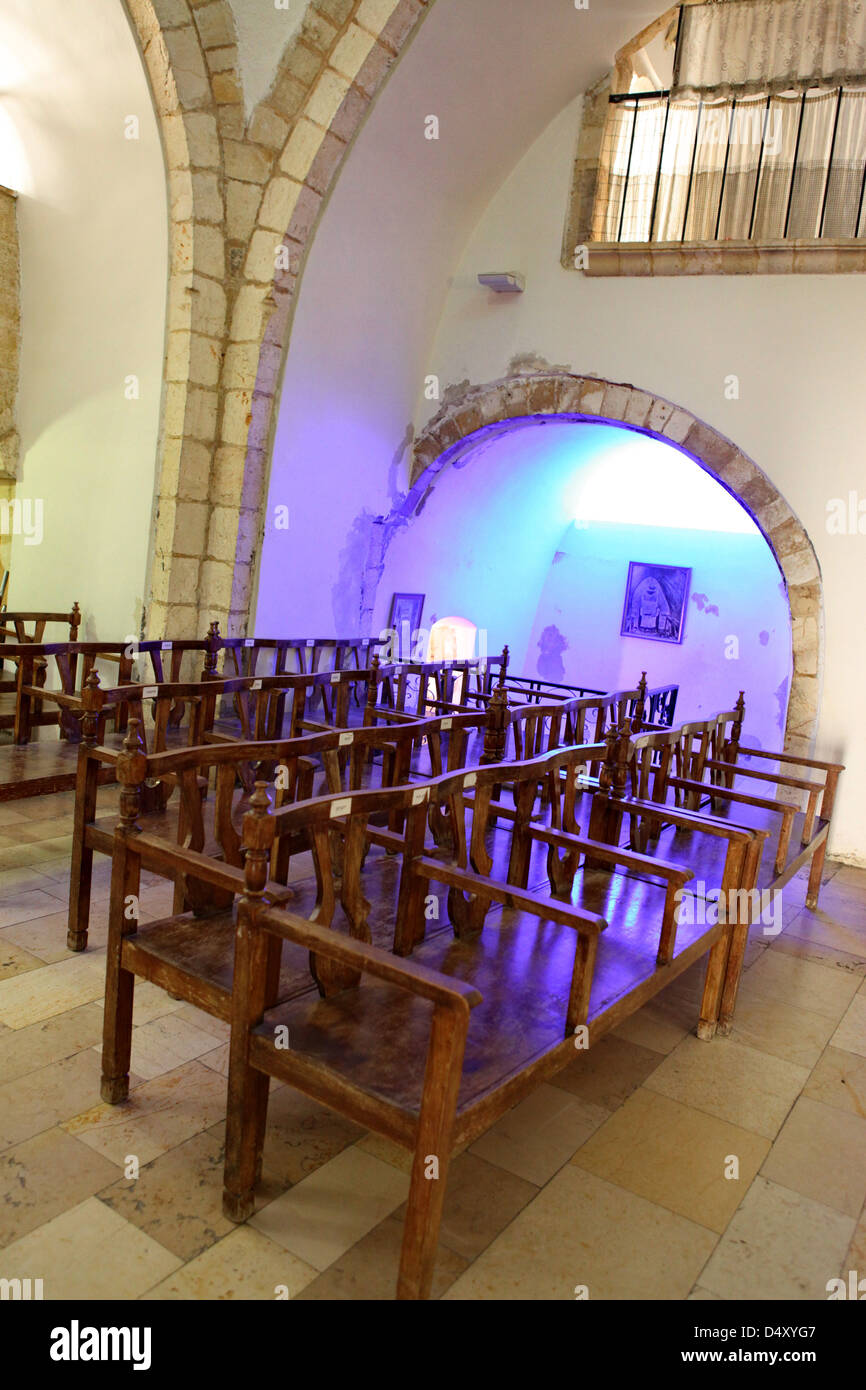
(405, 620)
(655, 602)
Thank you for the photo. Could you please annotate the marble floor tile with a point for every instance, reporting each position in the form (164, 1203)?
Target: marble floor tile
(149, 1000)
(736, 1083)
(851, 1033)
(540, 1134)
(480, 1201)
(165, 1043)
(323, 1216)
(838, 935)
(54, 989)
(791, 945)
(15, 960)
(657, 1028)
(43, 1177)
(244, 1265)
(583, 1232)
(795, 1034)
(24, 1050)
(780, 1245)
(44, 1098)
(387, 1151)
(369, 1270)
(821, 1153)
(676, 1156)
(89, 1252)
(158, 1115)
(44, 937)
(839, 1079)
(801, 984)
(177, 1198)
(301, 1137)
(21, 905)
(608, 1072)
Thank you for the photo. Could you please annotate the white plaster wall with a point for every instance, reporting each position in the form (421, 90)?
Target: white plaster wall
(493, 72)
(795, 342)
(263, 27)
(93, 231)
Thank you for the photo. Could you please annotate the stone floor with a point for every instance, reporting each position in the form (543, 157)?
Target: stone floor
(617, 1178)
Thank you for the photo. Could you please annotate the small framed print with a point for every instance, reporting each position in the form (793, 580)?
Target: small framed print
(655, 602)
(405, 620)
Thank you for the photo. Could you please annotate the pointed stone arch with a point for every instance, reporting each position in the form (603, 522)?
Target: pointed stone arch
(471, 416)
(242, 192)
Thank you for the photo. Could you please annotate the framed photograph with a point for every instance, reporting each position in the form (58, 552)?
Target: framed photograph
(405, 620)
(655, 602)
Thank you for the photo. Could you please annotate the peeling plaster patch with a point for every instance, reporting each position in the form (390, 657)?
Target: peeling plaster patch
(452, 395)
(354, 560)
(551, 645)
(782, 699)
(700, 600)
(763, 638)
(712, 610)
(560, 555)
(528, 363)
(396, 495)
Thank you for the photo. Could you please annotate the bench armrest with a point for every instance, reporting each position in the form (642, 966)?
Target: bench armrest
(597, 849)
(710, 790)
(790, 758)
(699, 822)
(778, 779)
(434, 871)
(345, 950)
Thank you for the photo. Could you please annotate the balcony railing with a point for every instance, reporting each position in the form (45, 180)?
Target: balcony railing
(764, 169)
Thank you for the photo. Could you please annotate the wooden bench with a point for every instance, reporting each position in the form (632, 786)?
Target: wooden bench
(343, 760)
(703, 768)
(428, 1050)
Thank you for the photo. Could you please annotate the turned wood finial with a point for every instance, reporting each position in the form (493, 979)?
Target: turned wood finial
(640, 705)
(740, 710)
(76, 616)
(92, 699)
(622, 748)
(211, 656)
(608, 767)
(496, 726)
(503, 669)
(258, 841)
(131, 772)
(373, 679)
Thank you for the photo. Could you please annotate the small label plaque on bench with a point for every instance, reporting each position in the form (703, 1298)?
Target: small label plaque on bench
(249, 641)
(165, 646)
(150, 692)
(256, 685)
(341, 807)
(346, 739)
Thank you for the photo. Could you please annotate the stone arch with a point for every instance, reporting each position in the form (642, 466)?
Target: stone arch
(480, 412)
(240, 190)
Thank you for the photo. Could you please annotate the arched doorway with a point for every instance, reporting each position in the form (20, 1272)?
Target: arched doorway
(471, 421)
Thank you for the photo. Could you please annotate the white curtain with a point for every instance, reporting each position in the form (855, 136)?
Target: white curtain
(730, 170)
(753, 46)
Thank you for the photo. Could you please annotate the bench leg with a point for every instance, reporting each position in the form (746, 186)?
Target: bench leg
(81, 877)
(739, 940)
(119, 983)
(815, 873)
(245, 1131)
(714, 981)
(435, 1128)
